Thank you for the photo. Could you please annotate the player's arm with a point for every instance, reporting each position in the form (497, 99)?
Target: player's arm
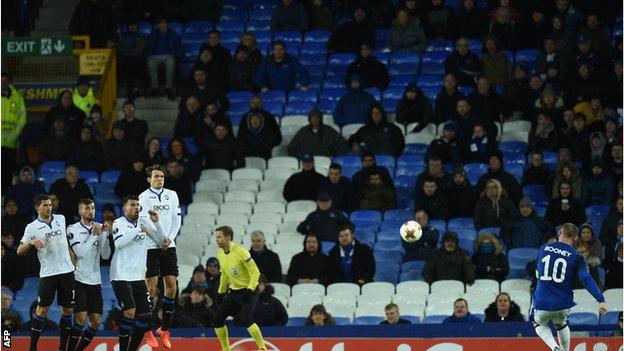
(589, 284)
(123, 236)
(105, 249)
(144, 216)
(28, 241)
(176, 221)
(224, 282)
(79, 248)
(154, 227)
(252, 268)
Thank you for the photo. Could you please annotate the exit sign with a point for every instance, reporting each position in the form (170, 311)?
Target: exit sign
(44, 46)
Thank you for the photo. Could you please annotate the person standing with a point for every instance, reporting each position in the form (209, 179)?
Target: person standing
(48, 235)
(13, 122)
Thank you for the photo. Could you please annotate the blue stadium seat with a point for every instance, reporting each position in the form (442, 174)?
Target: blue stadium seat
(334, 70)
(257, 25)
(387, 272)
(404, 181)
(540, 211)
(410, 171)
(438, 224)
(382, 57)
(261, 14)
(390, 105)
(314, 61)
(190, 143)
(536, 193)
(459, 223)
(314, 48)
(415, 149)
(577, 318)
(393, 93)
(342, 320)
(526, 57)
(90, 177)
(349, 171)
(476, 167)
(381, 37)
(597, 210)
(238, 109)
(411, 160)
(48, 178)
(549, 157)
(433, 63)
(400, 81)
(392, 225)
(367, 320)
(374, 91)
(145, 28)
(475, 45)
(411, 58)
(327, 245)
(397, 215)
(303, 96)
(316, 36)
(466, 90)
(53, 167)
(273, 96)
(276, 108)
(109, 197)
(240, 97)
(466, 233)
(341, 59)
(514, 157)
(368, 226)
(288, 37)
(331, 94)
(431, 93)
(198, 27)
(335, 82)
(366, 237)
(387, 257)
(230, 26)
(516, 170)
(385, 161)
(491, 230)
(296, 321)
(365, 216)
(298, 108)
(430, 80)
(177, 28)
(397, 69)
(433, 319)
(345, 161)
(610, 317)
(110, 176)
(410, 266)
(467, 245)
(510, 55)
(410, 275)
(440, 45)
(389, 236)
(230, 38)
(193, 39)
(191, 52)
(518, 258)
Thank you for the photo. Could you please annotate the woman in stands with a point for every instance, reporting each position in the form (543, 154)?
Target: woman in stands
(249, 40)
(153, 153)
(565, 208)
(489, 260)
(494, 209)
(319, 317)
(503, 309)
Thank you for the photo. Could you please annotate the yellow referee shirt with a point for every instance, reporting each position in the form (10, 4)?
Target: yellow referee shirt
(238, 269)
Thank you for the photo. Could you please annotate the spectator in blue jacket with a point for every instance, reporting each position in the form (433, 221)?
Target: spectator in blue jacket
(289, 15)
(526, 228)
(355, 105)
(598, 189)
(25, 191)
(461, 313)
(281, 71)
(164, 48)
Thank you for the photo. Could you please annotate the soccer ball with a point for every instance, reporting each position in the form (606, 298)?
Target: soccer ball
(411, 231)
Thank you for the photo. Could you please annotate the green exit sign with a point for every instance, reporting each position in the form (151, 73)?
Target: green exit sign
(44, 46)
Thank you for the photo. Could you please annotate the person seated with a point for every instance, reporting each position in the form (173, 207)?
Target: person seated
(56, 145)
(179, 181)
(212, 115)
(503, 309)
(373, 72)
(13, 220)
(281, 71)
(406, 35)
(258, 135)
(136, 129)
(269, 311)
(495, 171)
(565, 208)
(164, 48)
(461, 313)
(378, 135)
(599, 187)
(480, 145)
(375, 195)
(118, 149)
(537, 171)
(69, 190)
(525, 228)
(489, 260)
(153, 154)
(197, 305)
(222, 151)
(338, 187)
(198, 280)
(493, 209)
(289, 16)
(67, 111)
(325, 221)
(449, 262)
(360, 178)
(268, 261)
(463, 64)
(199, 87)
(447, 147)
(446, 100)
(432, 200)
(242, 70)
(393, 316)
(583, 249)
(544, 135)
(461, 195)
(216, 70)
(213, 275)
(317, 139)
(188, 117)
(132, 179)
(179, 152)
(355, 105)
(303, 185)
(423, 248)
(310, 265)
(587, 236)
(352, 34)
(87, 153)
(568, 172)
(319, 317)
(25, 190)
(349, 260)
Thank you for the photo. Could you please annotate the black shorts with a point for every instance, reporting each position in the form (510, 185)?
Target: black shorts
(89, 298)
(61, 284)
(234, 305)
(162, 263)
(132, 295)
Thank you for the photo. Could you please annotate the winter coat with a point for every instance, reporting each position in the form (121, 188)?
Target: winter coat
(469, 318)
(487, 108)
(303, 185)
(350, 35)
(471, 24)
(289, 18)
(464, 68)
(478, 149)
(56, 147)
(379, 198)
(184, 126)
(259, 142)
(269, 311)
(131, 182)
(131, 45)
(306, 266)
(491, 313)
(362, 264)
(360, 178)
(200, 10)
(283, 75)
(210, 92)
(321, 17)
(117, 153)
(439, 22)
(136, 131)
(373, 72)
(461, 199)
(182, 186)
(12, 270)
(556, 216)
(454, 265)
(69, 196)
(225, 153)
(436, 205)
(546, 142)
(353, 107)
(423, 248)
(497, 68)
(445, 105)
(86, 155)
(584, 89)
(509, 182)
(326, 141)
(555, 180)
(410, 38)
(536, 175)
(443, 182)
(523, 231)
(72, 116)
(167, 43)
(341, 193)
(202, 313)
(95, 19)
(490, 266)
(15, 224)
(383, 138)
(448, 151)
(505, 33)
(24, 193)
(418, 110)
(543, 61)
(488, 213)
(598, 190)
(516, 97)
(324, 224)
(241, 74)
(579, 145)
(269, 264)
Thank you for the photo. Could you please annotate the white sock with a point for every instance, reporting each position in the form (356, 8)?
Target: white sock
(545, 334)
(564, 338)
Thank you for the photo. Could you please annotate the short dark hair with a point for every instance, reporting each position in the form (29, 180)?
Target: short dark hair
(40, 198)
(125, 200)
(335, 166)
(127, 102)
(152, 168)
(344, 227)
(227, 231)
(278, 42)
(85, 201)
(435, 158)
(374, 172)
(429, 180)
(214, 31)
(367, 154)
(198, 68)
(460, 300)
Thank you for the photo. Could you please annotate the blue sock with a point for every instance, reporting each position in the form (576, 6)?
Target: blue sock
(168, 307)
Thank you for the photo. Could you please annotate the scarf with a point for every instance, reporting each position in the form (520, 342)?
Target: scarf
(346, 261)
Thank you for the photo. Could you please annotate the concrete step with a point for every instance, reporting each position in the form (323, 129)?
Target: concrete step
(55, 12)
(52, 24)
(157, 103)
(155, 115)
(52, 33)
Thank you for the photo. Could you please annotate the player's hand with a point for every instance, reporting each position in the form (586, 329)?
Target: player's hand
(38, 244)
(145, 231)
(153, 216)
(602, 308)
(165, 244)
(97, 229)
(105, 227)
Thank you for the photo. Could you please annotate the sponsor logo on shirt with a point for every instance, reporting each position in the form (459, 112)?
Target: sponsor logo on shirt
(160, 208)
(53, 234)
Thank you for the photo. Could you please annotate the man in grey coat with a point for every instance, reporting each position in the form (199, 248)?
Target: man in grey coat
(317, 139)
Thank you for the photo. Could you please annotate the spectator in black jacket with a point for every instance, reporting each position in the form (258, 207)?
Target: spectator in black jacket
(269, 311)
(118, 149)
(486, 104)
(423, 248)
(537, 171)
(435, 171)
(205, 126)
(489, 260)
(24, 190)
(197, 306)
(516, 95)
(47, 324)
(526, 229)
(578, 140)
(414, 107)
(503, 309)
(136, 129)
(132, 179)
(222, 151)
(13, 221)
(219, 53)
(493, 209)
(462, 196)
(12, 267)
(69, 190)
(613, 277)
(289, 16)
(449, 262)
(188, 117)
(565, 208)
(56, 144)
(463, 64)
(65, 109)
(446, 100)
(373, 72)
(87, 153)
(242, 70)
(317, 138)
(198, 280)
(303, 185)
(96, 19)
(179, 181)
(325, 221)
(153, 153)
(433, 201)
(268, 261)
(447, 147)
(338, 187)
(610, 224)
(350, 35)
(360, 178)
(310, 265)
(471, 20)
(378, 135)
(216, 71)
(496, 171)
(203, 91)
(257, 135)
(480, 145)
(375, 195)
(349, 260)
(178, 151)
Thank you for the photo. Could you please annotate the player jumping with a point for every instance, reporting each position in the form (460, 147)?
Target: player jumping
(89, 242)
(48, 235)
(557, 264)
(240, 273)
(162, 260)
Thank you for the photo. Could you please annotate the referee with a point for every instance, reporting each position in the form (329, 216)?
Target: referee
(240, 273)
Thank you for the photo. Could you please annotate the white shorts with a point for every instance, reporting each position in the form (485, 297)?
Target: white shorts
(558, 318)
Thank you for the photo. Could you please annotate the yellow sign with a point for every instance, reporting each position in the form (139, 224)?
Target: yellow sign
(93, 62)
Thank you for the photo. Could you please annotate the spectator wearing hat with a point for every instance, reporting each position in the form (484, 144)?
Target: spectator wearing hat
(309, 265)
(406, 34)
(495, 171)
(373, 72)
(564, 208)
(599, 187)
(423, 248)
(222, 150)
(447, 147)
(118, 149)
(177, 150)
(463, 64)
(86, 153)
(544, 135)
(375, 195)
(130, 53)
(598, 146)
(494, 208)
(480, 146)
(213, 275)
(317, 138)
(350, 35)
(578, 140)
(205, 92)
(68, 112)
(267, 260)
(324, 221)
(25, 190)
(536, 172)
(378, 135)
(462, 196)
(198, 280)
(179, 180)
(497, 68)
(220, 55)
(350, 261)
(258, 135)
(338, 187)
(526, 229)
(461, 314)
(56, 144)
(550, 54)
(216, 70)
(449, 262)
(13, 121)
(136, 129)
(69, 190)
(269, 311)
(188, 117)
(594, 245)
(281, 71)
(432, 200)
(447, 99)
(241, 70)
(489, 260)
(164, 48)
(95, 19)
(303, 185)
(584, 54)
(414, 107)
(289, 15)
(355, 105)
(360, 178)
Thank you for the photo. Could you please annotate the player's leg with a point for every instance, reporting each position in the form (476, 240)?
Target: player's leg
(80, 316)
(151, 280)
(95, 308)
(246, 317)
(123, 293)
(560, 320)
(66, 296)
(542, 330)
(142, 315)
(228, 307)
(169, 271)
(45, 296)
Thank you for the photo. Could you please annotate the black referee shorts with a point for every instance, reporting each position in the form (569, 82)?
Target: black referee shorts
(132, 294)
(162, 263)
(235, 304)
(89, 298)
(61, 284)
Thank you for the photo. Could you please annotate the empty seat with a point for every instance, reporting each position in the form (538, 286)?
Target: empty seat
(108, 176)
(216, 174)
(265, 217)
(447, 286)
(235, 207)
(243, 185)
(280, 173)
(247, 197)
(460, 223)
(366, 216)
(247, 173)
(232, 218)
(343, 289)
(316, 36)
(301, 205)
(198, 26)
(270, 196)
(309, 289)
(420, 138)
(515, 284)
(378, 288)
(341, 59)
(283, 162)
(483, 286)
(295, 216)
(203, 208)
(270, 207)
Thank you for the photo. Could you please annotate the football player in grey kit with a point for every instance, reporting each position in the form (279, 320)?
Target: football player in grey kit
(89, 241)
